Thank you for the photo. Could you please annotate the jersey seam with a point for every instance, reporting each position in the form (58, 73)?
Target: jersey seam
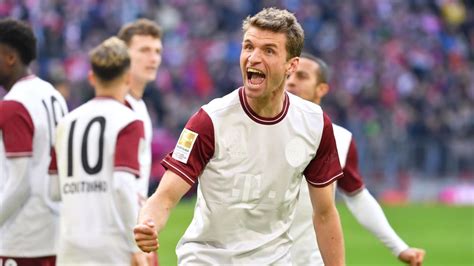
(322, 184)
(180, 172)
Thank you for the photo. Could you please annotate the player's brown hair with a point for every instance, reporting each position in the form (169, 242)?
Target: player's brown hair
(141, 26)
(110, 59)
(279, 21)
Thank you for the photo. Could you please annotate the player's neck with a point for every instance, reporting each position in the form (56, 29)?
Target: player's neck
(137, 89)
(268, 107)
(16, 76)
(111, 92)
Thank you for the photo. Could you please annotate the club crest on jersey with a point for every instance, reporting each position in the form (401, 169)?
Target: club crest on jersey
(185, 145)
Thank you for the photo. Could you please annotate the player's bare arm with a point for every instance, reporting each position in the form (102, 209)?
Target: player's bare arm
(327, 225)
(155, 213)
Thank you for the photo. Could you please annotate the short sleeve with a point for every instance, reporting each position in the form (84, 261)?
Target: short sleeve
(352, 181)
(17, 129)
(127, 148)
(325, 167)
(194, 149)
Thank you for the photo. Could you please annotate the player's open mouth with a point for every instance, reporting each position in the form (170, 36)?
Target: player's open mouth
(255, 76)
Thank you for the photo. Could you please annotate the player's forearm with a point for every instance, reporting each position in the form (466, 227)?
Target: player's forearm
(16, 189)
(369, 214)
(157, 208)
(166, 197)
(329, 236)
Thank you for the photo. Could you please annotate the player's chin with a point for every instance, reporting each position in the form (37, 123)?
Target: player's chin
(149, 75)
(252, 90)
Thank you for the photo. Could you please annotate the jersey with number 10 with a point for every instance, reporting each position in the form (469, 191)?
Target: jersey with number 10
(28, 117)
(93, 141)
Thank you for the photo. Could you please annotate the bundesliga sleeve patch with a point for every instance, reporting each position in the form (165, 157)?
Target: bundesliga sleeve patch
(185, 145)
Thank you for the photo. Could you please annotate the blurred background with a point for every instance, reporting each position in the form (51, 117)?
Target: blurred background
(402, 79)
(402, 74)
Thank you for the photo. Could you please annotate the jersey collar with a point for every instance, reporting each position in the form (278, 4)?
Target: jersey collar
(263, 120)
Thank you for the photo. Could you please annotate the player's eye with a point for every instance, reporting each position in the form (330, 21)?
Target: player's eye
(301, 75)
(145, 50)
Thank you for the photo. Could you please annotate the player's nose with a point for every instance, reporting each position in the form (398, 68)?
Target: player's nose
(254, 57)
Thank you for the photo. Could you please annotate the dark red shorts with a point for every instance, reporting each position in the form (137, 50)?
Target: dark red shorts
(39, 261)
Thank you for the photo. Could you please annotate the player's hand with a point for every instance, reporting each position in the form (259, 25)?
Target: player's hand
(412, 256)
(139, 259)
(146, 236)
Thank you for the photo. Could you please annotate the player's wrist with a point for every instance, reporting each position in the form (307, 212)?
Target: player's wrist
(399, 249)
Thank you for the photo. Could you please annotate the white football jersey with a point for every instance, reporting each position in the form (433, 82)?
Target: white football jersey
(249, 170)
(93, 141)
(305, 250)
(145, 158)
(32, 231)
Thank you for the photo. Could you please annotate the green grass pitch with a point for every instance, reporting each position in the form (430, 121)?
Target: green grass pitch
(445, 232)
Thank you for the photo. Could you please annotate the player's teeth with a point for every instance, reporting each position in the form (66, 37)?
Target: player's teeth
(254, 71)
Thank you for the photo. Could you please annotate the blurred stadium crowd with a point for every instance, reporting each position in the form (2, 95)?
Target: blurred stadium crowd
(402, 71)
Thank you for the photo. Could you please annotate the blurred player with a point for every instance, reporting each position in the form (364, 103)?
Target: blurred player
(143, 38)
(310, 82)
(29, 113)
(249, 151)
(97, 147)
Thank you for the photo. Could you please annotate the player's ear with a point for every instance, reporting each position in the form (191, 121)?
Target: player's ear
(91, 78)
(292, 65)
(10, 57)
(322, 89)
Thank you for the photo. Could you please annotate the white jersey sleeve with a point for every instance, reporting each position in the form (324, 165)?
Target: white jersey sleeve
(124, 192)
(15, 191)
(369, 214)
